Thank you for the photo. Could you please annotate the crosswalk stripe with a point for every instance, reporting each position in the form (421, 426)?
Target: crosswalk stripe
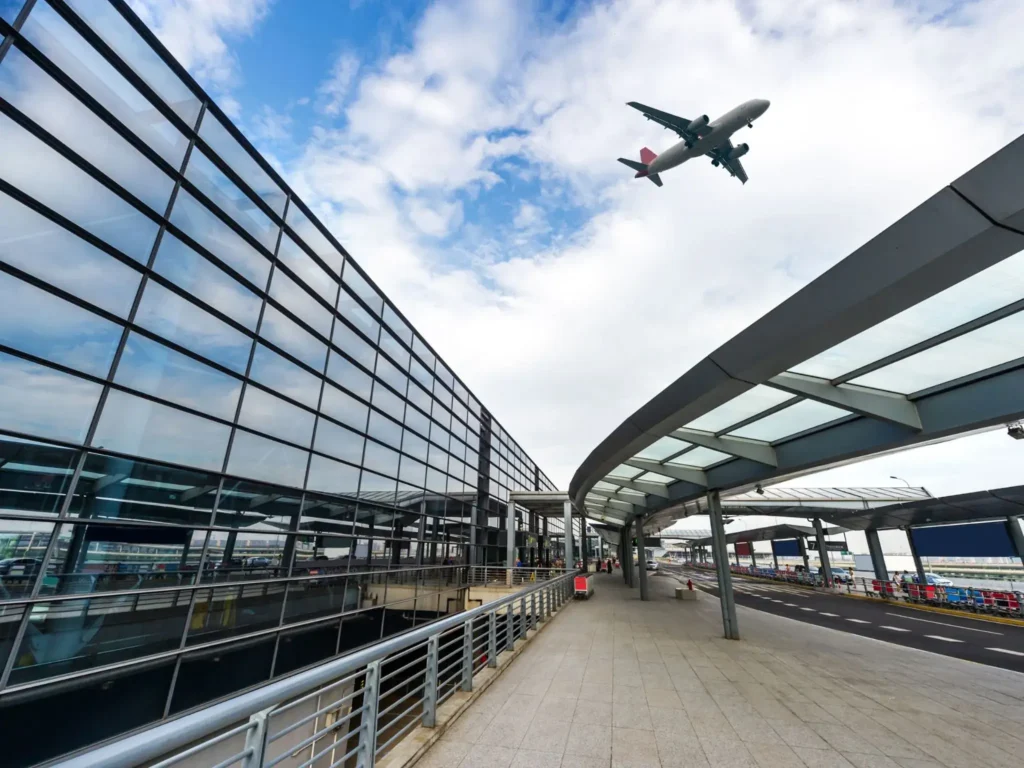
(944, 639)
(1005, 650)
(894, 629)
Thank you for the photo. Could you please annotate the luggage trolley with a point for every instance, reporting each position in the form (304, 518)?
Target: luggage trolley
(581, 587)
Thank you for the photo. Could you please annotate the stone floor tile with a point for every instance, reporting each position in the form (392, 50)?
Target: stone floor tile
(589, 740)
(547, 735)
(774, 756)
(593, 712)
(665, 698)
(822, 758)
(861, 760)
(632, 716)
(445, 754)
(484, 756)
(528, 758)
(798, 735)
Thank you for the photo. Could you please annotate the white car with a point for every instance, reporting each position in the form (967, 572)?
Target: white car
(652, 565)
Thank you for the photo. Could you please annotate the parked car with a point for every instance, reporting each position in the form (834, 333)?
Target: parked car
(258, 562)
(19, 566)
(938, 581)
(652, 565)
(839, 574)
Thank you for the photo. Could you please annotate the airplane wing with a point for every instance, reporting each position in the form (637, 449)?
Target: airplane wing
(674, 122)
(732, 165)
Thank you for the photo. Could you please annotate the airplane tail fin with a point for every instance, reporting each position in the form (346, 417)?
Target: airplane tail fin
(646, 158)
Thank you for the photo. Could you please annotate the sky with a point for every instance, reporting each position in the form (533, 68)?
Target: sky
(464, 153)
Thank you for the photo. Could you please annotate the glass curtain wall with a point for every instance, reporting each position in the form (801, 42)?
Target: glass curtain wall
(215, 431)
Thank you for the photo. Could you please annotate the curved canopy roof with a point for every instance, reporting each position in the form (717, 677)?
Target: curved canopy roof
(918, 336)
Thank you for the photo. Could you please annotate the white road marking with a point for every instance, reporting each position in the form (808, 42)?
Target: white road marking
(833, 615)
(894, 629)
(1005, 650)
(776, 601)
(944, 639)
(790, 605)
(943, 623)
(808, 609)
(859, 621)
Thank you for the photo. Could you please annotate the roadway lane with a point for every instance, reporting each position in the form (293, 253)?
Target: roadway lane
(998, 645)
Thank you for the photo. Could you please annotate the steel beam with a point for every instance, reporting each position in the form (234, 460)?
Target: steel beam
(726, 597)
(754, 450)
(695, 476)
(570, 560)
(887, 406)
(645, 486)
(877, 556)
(826, 566)
(918, 565)
(641, 556)
(1013, 528)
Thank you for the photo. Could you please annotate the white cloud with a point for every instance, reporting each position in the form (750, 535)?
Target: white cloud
(270, 125)
(335, 89)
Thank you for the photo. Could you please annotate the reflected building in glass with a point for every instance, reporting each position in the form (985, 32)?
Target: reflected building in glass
(220, 445)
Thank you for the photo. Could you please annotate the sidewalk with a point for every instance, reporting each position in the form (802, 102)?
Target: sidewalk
(617, 682)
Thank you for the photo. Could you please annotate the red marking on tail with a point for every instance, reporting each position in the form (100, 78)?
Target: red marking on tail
(647, 156)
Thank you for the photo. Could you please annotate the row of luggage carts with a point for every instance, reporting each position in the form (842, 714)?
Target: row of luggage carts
(963, 598)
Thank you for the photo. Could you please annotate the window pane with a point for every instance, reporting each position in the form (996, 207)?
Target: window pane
(383, 428)
(219, 239)
(206, 281)
(307, 270)
(292, 338)
(755, 400)
(39, 97)
(362, 288)
(135, 491)
(234, 154)
(32, 166)
(790, 420)
(354, 312)
(43, 402)
(381, 488)
(136, 426)
(332, 476)
(348, 376)
(178, 320)
(41, 248)
(419, 398)
(343, 408)
(43, 325)
(381, 459)
(266, 413)
(245, 504)
(284, 377)
(80, 61)
(312, 237)
(147, 64)
(226, 195)
(265, 459)
(150, 367)
(304, 306)
(349, 342)
(412, 472)
(387, 373)
(414, 445)
(395, 351)
(398, 326)
(339, 442)
(417, 421)
(34, 478)
(388, 402)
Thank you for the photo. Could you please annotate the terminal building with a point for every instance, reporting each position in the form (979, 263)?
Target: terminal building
(215, 430)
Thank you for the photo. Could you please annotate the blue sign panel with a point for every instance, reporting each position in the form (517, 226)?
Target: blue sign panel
(786, 547)
(973, 540)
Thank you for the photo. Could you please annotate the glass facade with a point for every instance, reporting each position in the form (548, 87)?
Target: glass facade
(216, 435)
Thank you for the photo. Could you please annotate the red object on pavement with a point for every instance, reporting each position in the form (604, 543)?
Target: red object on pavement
(580, 583)
(689, 585)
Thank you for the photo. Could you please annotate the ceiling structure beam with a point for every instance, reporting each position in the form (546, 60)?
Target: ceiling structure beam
(625, 506)
(690, 475)
(874, 403)
(646, 486)
(755, 450)
(634, 499)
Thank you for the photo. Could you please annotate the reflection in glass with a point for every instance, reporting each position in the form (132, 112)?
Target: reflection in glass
(130, 424)
(331, 476)
(349, 376)
(397, 325)
(213, 132)
(308, 271)
(243, 504)
(266, 413)
(292, 338)
(197, 221)
(417, 421)
(39, 323)
(34, 478)
(755, 400)
(381, 459)
(302, 226)
(43, 402)
(226, 195)
(343, 408)
(384, 429)
(275, 372)
(264, 459)
(391, 375)
(339, 442)
(39, 97)
(361, 287)
(388, 402)
(169, 315)
(31, 166)
(147, 64)
(150, 367)
(207, 282)
(353, 345)
(300, 303)
(791, 420)
(246, 554)
(41, 248)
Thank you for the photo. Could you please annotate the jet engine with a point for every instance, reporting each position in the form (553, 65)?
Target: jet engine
(739, 151)
(699, 126)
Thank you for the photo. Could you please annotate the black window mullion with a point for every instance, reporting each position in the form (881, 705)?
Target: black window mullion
(10, 31)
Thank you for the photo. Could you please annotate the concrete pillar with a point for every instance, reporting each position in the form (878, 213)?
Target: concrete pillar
(627, 550)
(510, 542)
(877, 558)
(753, 556)
(803, 553)
(918, 565)
(775, 557)
(727, 599)
(826, 566)
(736, 553)
(641, 556)
(584, 545)
(570, 559)
(1013, 528)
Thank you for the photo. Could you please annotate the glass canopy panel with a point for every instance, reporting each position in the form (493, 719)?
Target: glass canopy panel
(700, 458)
(790, 420)
(750, 403)
(991, 345)
(662, 448)
(974, 297)
(654, 477)
(625, 472)
(601, 485)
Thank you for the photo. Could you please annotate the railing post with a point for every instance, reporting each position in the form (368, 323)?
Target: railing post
(467, 656)
(523, 626)
(430, 689)
(256, 738)
(510, 628)
(533, 610)
(368, 734)
(492, 639)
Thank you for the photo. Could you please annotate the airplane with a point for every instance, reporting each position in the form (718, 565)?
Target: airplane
(700, 137)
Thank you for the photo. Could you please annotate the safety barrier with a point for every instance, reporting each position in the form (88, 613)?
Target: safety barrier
(354, 708)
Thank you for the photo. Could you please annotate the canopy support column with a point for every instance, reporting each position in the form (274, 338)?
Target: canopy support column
(1013, 526)
(726, 597)
(641, 556)
(753, 556)
(918, 565)
(826, 566)
(877, 556)
(570, 559)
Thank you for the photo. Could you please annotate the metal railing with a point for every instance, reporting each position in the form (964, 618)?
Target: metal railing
(347, 712)
(484, 575)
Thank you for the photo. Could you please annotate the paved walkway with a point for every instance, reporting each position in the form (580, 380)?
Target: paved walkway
(617, 682)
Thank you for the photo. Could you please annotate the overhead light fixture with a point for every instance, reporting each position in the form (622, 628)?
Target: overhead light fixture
(1015, 430)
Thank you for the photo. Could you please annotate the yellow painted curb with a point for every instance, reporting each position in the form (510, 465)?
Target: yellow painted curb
(947, 611)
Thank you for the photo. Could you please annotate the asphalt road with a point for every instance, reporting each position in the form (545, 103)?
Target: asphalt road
(998, 645)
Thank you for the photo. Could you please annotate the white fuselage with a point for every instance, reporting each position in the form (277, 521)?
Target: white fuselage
(721, 131)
